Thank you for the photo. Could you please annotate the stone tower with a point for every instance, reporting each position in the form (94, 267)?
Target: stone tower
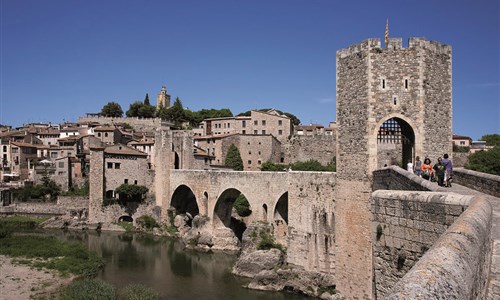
(393, 104)
(163, 98)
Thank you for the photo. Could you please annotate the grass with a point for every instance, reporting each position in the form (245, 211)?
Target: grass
(20, 222)
(52, 253)
(138, 292)
(100, 290)
(88, 289)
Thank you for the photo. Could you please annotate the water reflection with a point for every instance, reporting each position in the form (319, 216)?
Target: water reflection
(164, 265)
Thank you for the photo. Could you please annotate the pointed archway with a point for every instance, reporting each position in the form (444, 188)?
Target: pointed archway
(395, 143)
(184, 201)
(225, 214)
(280, 223)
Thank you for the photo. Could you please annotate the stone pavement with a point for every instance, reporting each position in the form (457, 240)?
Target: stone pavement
(494, 277)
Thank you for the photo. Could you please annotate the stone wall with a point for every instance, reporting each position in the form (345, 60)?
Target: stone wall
(311, 221)
(405, 225)
(137, 123)
(306, 147)
(73, 201)
(485, 183)
(395, 178)
(39, 209)
(460, 159)
(112, 213)
(457, 265)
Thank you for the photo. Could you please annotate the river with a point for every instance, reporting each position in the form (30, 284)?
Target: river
(163, 264)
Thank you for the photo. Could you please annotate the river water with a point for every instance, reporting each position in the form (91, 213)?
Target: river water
(164, 265)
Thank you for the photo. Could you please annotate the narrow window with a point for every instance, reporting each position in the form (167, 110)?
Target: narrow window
(263, 132)
(135, 181)
(395, 100)
(280, 122)
(383, 83)
(243, 123)
(255, 132)
(243, 132)
(263, 122)
(125, 181)
(280, 132)
(255, 122)
(406, 83)
(110, 165)
(249, 162)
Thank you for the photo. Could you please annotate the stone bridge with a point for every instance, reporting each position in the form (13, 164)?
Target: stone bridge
(299, 205)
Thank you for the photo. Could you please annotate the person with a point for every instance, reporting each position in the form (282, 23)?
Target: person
(427, 170)
(449, 169)
(409, 166)
(440, 170)
(417, 168)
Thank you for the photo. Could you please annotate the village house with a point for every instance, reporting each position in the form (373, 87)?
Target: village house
(123, 164)
(270, 122)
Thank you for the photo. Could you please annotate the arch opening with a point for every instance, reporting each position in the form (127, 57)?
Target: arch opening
(395, 143)
(281, 219)
(177, 161)
(184, 202)
(125, 218)
(231, 209)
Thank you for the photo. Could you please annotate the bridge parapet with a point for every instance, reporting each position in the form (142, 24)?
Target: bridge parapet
(485, 183)
(457, 265)
(395, 178)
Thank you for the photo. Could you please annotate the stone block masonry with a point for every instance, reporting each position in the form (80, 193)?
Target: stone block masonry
(405, 225)
(457, 265)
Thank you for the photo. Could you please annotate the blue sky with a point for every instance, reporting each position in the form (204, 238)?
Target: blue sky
(61, 58)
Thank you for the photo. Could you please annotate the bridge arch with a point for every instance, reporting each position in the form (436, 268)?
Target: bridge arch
(184, 201)
(224, 215)
(280, 222)
(395, 139)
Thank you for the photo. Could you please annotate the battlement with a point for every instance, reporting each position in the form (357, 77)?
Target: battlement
(394, 44)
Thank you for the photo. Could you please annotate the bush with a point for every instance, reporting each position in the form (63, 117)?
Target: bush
(267, 242)
(88, 289)
(242, 206)
(131, 192)
(138, 292)
(147, 222)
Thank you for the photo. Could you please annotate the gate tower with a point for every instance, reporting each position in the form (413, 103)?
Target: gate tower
(393, 104)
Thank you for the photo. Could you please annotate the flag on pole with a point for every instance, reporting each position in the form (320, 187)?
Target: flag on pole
(386, 33)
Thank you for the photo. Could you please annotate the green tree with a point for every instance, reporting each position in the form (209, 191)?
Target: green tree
(131, 192)
(491, 139)
(146, 100)
(147, 111)
(485, 161)
(176, 114)
(233, 158)
(112, 109)
(141, 110)
(134, 108)
(162, 113)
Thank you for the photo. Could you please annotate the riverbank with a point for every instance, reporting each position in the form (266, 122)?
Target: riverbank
(20, 281)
